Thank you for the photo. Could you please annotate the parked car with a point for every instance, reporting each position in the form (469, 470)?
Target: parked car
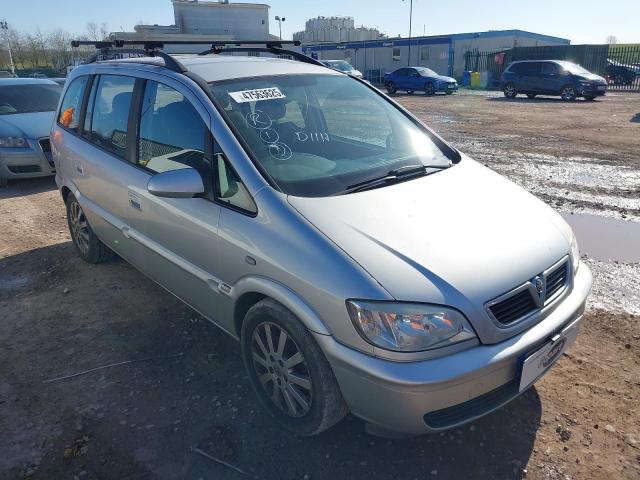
(551, 77)
(342, 66)
(312, 218)
(7, 74)
(37, 75)
(60, 80)
(415, 79)
(27, 108)
(618, 73)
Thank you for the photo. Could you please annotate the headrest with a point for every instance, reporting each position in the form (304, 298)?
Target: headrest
(276, 109)
(120, 102)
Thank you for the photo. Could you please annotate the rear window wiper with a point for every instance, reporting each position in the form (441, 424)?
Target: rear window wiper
(393, 176)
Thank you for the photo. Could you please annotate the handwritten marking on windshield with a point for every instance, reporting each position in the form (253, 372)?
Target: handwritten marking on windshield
(312, 137)
(258, 120)
(280, 151)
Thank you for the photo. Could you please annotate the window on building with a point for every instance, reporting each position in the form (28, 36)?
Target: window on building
(396, 54)
(425, 54)
(172, 134)
(253, 54)
(107, 125)
(70, 109)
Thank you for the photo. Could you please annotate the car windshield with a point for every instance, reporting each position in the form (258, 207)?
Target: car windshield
(427, 72)
(316, 135)
(340, 65)
(28, 98)
(575, 69)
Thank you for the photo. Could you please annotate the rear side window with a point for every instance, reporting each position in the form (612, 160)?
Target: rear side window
(69, 115)
(172, 134)
(108, 113)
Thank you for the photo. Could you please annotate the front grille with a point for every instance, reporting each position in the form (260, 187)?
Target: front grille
(45, 146)
(557, 279)
(23, 168)
(451, 416)
(514, 307)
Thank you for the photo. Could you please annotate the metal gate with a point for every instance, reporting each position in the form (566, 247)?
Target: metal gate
(619, 64)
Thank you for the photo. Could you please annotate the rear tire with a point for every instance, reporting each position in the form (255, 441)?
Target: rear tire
(568, 93)
(85, 241)
(391, 88)
(429, 89)
(291, 377)
(509, 90)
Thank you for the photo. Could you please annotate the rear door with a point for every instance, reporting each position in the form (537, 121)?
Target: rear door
(530, 77)
(96, 160)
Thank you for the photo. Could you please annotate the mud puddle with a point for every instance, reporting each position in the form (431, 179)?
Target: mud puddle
(606, 239)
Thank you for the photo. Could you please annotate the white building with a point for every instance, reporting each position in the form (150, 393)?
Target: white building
(335, 29)
(208, 21)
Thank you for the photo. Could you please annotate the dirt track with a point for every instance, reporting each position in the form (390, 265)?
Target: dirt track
(59, 316)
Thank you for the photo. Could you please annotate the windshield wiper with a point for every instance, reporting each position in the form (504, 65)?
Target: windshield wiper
(393, 176)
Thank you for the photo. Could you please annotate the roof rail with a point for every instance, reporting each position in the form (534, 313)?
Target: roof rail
(150, 49)
(270, 46)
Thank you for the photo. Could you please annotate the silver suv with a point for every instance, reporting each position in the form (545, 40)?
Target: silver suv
(364, 264)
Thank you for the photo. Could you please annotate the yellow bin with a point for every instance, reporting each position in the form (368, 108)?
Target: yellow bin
(475, 80)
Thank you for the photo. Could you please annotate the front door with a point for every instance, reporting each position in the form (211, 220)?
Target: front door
(180, 235)
(551, 78)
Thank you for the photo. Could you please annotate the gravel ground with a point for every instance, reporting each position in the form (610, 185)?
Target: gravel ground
(185, 397)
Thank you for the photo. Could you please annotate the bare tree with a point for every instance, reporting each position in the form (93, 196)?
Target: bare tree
(611, 40)
(97, 32)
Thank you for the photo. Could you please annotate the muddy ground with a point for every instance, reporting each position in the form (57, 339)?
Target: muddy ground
(143, 420)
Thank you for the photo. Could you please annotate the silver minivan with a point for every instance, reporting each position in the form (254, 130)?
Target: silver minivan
(364, 264)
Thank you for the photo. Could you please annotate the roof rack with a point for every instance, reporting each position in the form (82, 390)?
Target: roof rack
(270, 46)
(149, 49)
(154, 49)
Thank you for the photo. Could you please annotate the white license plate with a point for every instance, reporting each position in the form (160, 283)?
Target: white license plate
(542, 359)
(449, 86)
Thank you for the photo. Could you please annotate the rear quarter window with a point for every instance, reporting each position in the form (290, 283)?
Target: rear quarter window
(69, 114)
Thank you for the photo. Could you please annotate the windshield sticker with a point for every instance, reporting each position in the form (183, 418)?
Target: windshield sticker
(258, 120)
(256, 95)
(312, 136)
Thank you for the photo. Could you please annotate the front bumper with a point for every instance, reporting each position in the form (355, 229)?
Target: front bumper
(402, 397)
(592, 91)
(31, 161)
(446, 87)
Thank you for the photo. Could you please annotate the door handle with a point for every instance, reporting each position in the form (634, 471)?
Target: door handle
(134, 201)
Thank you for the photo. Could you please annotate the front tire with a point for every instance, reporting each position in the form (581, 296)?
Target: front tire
(589, 98)
(85, 241)
(288, 371)
(568, 93)
(509, 90)
(391, 88)
(531, 96)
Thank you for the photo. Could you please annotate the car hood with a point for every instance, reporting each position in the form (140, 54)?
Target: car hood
(27, 125)
(592, 77)
(458, 237)
(443, 78)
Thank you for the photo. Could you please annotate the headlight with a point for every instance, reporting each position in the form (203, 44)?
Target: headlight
(13, 142)
(408, 327)
(575, 253)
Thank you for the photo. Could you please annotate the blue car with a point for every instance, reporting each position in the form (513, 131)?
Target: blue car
(419, 79)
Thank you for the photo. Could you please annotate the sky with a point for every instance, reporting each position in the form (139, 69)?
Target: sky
(581, 21)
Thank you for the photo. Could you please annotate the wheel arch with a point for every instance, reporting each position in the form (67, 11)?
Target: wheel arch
(65, 192)
(250, 290)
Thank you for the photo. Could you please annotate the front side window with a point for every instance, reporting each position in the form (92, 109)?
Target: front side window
(28, 98)
(550, 68)
(172, 134)
(108, 113)
(317, 135)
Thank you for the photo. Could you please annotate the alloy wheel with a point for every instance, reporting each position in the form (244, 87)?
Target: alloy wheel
(568, 93)
(79, 227)
(509, 91)
(281, 369)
